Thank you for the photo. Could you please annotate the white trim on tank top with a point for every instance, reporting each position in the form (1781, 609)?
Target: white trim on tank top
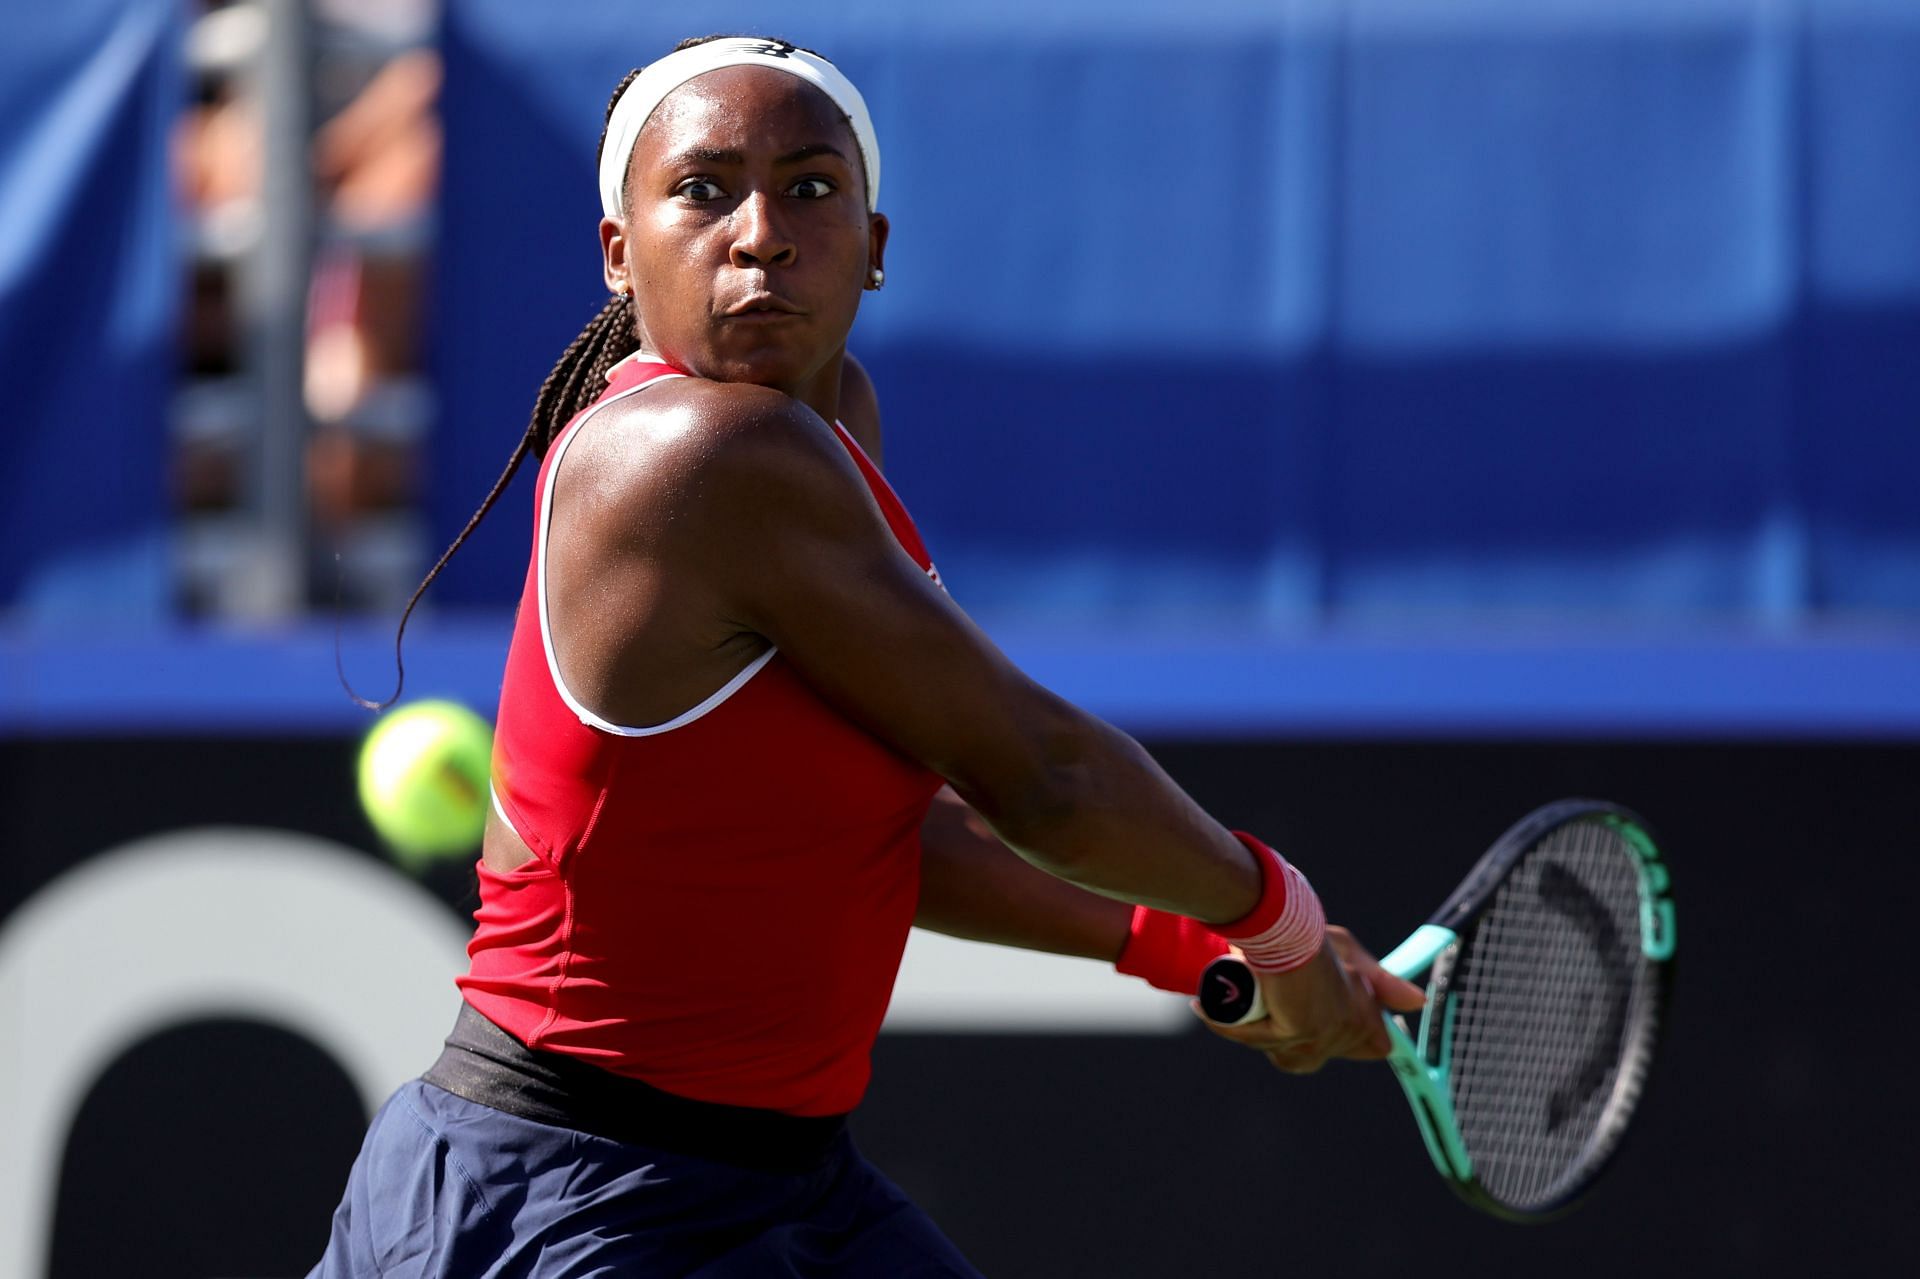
(500, 811)
(574, 704)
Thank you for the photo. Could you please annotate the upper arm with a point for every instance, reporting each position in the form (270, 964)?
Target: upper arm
(791, 537)
(860, 409)
(773, 522)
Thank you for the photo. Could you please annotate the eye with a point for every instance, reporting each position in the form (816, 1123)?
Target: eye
(812, 188)
(699, 190)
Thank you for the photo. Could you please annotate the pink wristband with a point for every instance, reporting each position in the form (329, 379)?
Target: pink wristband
(1286, 926)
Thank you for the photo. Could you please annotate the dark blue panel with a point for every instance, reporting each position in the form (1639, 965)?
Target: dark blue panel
(1566, 249)
(1587, 484)
(1859, 451)
(89, 288)
(1860, 456)
(1081, 487)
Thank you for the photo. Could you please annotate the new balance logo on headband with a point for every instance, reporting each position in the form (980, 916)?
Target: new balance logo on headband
(660, 78)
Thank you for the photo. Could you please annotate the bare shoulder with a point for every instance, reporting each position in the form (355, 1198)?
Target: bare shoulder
(693, 416)
(690, 451)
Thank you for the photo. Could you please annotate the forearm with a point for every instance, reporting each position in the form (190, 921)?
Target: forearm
(1111, 821)
(973, 886)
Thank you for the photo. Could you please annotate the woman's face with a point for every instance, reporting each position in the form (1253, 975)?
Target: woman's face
(746, 240)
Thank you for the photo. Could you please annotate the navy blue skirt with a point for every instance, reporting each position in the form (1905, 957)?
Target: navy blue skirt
(448, 1187)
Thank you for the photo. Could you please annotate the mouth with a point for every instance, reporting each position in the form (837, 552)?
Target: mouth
(763, 306)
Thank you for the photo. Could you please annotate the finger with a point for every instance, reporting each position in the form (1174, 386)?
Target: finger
(1232, 1034)
(1396, 993)
(1248, 1034)
(1359, 1037)
(1262, 1036)
(1259, 1042)
(1366, 1037)
(1350, 948)
(1225, 1028)
(1389, 991)
(1300, 1060)
(1369, 1042)
(1374, 1028)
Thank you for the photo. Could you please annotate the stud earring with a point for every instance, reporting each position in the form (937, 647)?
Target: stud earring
(876, 279)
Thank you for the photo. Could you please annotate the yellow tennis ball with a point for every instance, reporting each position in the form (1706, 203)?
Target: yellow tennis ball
(423, 780)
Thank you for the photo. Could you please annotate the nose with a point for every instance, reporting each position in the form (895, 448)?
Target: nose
(759, 239)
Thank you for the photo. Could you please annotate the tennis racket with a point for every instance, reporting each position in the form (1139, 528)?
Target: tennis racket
(1548, 974)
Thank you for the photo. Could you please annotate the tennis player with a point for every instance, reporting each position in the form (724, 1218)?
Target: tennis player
(745, 742)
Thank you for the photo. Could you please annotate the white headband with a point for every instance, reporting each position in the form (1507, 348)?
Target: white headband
(669, 73)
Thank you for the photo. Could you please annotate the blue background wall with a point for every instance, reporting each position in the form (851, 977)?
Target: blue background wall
(90, 280)
(1299, 366)
(1252, 313)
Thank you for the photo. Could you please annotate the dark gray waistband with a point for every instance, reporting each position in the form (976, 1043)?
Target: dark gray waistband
(488, 1066)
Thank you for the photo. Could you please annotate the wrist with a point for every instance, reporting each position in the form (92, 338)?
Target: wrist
(1285, 928)
(1168, 951)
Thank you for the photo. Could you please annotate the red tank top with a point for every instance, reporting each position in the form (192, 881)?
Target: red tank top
(716, 905)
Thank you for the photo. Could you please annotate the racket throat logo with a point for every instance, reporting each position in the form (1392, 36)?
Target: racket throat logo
(1566, 896)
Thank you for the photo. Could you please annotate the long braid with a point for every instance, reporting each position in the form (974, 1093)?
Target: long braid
(575, 381)
(580, 374)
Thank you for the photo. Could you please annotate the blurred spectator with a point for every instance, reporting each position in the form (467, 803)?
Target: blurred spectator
(379, 162)
(376, 164)
(394, 21)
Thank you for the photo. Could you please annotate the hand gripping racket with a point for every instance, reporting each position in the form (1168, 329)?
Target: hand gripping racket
(1548, 973)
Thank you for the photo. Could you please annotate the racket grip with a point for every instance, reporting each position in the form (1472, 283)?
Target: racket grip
(1229, 993)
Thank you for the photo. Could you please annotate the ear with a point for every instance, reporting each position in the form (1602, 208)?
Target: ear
(613, 255)
(877, 228)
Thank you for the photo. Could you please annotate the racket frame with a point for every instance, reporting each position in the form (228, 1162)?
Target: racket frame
(1422, 1065)
(1422, 1060)
(1421, 1056)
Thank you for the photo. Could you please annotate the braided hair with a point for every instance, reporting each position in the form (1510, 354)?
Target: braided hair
(575, 382)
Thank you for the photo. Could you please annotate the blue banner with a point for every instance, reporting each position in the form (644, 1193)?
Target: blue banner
(90, 294)
(1250, 312)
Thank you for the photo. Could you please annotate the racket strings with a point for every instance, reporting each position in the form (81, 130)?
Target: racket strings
(1549, 983)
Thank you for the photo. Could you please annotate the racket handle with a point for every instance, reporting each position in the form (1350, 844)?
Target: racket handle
(1229, 993)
